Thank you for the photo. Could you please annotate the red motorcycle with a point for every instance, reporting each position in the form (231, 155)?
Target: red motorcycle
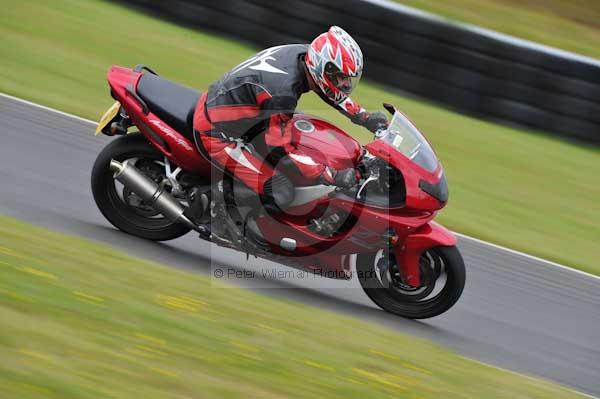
(382, 230)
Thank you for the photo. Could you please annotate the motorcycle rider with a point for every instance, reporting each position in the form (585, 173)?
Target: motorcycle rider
(260, 96)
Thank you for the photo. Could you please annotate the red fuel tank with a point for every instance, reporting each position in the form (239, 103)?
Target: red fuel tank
(324, 143)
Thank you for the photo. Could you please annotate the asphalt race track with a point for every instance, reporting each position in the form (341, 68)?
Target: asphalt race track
(516, 312)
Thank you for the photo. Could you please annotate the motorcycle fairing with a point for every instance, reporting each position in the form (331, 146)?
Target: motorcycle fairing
(416, 197)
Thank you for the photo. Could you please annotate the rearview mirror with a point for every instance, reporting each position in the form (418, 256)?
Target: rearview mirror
(389, 108)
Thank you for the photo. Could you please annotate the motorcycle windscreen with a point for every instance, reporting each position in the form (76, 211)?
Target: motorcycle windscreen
(406, 139)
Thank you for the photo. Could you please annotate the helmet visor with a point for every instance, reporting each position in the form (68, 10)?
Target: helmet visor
(343, 82)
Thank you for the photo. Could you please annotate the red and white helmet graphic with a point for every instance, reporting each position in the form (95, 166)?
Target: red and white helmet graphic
(335, 63)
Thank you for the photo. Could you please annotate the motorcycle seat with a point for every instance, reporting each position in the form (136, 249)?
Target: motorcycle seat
(173, 103)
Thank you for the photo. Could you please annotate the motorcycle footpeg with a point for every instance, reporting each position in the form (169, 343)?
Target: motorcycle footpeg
(204, 231)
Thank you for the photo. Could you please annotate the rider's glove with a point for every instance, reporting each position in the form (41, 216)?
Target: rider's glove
(376, 121)
(372, 121)
(344, 178)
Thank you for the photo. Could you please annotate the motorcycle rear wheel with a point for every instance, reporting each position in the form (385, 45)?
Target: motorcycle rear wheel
(437, 264)
(141, 221)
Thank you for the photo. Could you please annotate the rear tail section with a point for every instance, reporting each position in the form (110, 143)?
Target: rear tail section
(178, 146)
(123, 83)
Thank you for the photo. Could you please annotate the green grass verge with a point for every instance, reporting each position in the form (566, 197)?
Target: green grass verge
(512, 187)
(80, 320)
(569, 25)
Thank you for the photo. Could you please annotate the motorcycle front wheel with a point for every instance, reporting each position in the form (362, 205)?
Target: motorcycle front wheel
(123, 208)
(443, 278)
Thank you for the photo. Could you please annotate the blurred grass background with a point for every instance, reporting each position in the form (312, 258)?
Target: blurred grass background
(513, 187)
(80, 320)
(572, 25)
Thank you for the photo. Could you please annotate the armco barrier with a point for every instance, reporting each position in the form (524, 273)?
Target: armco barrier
(468, 68)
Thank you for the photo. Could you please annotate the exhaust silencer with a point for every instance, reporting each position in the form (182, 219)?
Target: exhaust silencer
(150, 192)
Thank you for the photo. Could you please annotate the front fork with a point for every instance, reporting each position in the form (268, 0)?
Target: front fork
(408, 252)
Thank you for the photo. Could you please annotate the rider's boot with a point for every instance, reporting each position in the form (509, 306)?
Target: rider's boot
(214, 213)
(199, 201)
(198, 210)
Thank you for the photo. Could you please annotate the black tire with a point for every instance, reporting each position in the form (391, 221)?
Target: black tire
(115, 210)
(446, 260)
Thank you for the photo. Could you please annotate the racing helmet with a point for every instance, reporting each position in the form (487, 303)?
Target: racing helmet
(335, 63)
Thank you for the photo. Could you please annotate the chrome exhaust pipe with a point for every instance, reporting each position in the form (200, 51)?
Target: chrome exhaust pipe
(150, 192)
